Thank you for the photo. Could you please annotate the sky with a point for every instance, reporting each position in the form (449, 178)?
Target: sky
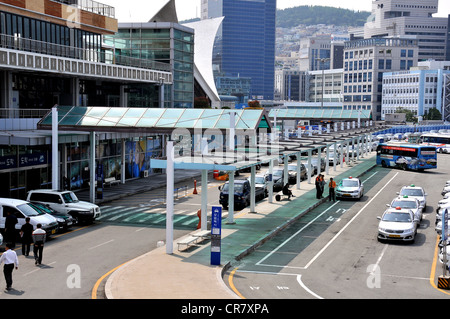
(142, 10)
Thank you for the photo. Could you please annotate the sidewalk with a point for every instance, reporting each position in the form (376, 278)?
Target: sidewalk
(189, 275)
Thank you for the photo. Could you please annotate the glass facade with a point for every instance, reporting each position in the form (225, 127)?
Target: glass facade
(171, 44)
(245, 45)
(49, 38)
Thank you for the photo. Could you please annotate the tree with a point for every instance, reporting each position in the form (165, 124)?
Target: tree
(410, 115)
(432, 114)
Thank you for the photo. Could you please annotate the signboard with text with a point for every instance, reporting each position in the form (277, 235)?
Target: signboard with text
(216, 234)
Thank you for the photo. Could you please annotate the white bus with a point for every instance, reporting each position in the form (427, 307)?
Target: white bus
(441, 141)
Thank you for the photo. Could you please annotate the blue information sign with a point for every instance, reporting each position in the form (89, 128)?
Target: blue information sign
(216, 234)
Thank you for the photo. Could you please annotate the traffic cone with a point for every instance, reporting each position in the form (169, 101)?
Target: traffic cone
(195, 188)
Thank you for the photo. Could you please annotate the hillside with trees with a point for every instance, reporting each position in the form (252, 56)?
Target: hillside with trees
(312, 15)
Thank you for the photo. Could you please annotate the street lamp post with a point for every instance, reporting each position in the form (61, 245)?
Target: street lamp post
(322, 61)
(161, 92)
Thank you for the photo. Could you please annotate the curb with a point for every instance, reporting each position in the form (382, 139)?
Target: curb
(280, 228)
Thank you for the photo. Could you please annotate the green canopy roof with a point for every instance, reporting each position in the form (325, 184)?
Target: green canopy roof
(154, 119)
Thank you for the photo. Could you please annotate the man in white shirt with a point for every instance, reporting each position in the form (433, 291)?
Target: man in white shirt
(39, 236)
(9, 258)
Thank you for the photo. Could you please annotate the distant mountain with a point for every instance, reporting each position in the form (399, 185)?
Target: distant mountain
(312, 15)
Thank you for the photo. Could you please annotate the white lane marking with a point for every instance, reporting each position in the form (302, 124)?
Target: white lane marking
(99, 245)
(343, 228)
(299, 280)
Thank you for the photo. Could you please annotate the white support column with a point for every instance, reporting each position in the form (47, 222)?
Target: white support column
(327, 160)
(285, 170)
(309, 166)
(271, 181)
(319, 160)
(232, 131)
(122, 168)
(169, 198)
(341, 154)
(55, 157)
(336, 156)
(231, 198)
(252, 190)
(92, 168)
(299, 169)
(204, 206)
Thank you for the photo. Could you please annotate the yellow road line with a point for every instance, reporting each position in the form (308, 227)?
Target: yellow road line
(97, 284)
(433, 267)
(230, 282)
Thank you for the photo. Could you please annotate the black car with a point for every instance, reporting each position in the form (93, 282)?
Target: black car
(64, 221)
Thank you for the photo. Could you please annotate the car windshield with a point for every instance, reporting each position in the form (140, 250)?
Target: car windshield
(292, 167)
(397, 217)
(237, 187)
(29, 210)
(411, 192)
(259, 180)
(278, 172)
(404, 204)
(42, 208)
(349, 183)
(70, 197)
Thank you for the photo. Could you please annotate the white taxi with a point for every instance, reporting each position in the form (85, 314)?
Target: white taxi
(416, 192)
(397, 224)
(407, 202)
(350, 188)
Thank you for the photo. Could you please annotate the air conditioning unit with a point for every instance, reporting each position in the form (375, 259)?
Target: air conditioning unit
(145, 173)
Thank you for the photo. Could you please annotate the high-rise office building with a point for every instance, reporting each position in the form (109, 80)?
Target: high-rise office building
(400, 18)
(365, 61)
(245, 45)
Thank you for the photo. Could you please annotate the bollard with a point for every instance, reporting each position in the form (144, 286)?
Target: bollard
(199, 215)
(195, 187)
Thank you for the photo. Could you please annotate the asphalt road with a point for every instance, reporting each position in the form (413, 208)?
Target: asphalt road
(333, 252)
(74, 262)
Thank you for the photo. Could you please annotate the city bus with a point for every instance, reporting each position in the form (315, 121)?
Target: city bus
(407, 156)
(441, 141)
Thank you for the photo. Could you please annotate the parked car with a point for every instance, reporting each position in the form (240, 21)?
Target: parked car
(66, 202)
(241, 193)
(415, 192)
(334, 159)
(293, 173)
(406, 202)
(350, 188)
(1, 239)
(277, 177)
(65, 221)
(261, 182)
(315, 163)
(23, 209)
(438, 227)
(397, 224)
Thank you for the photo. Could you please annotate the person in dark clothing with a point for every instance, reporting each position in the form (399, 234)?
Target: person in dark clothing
(287, 191)
(318, 188)
(26, 235)
(10, 228)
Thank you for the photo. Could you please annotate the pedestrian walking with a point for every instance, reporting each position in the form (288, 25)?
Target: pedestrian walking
(321, 185)
(39, 236)
(9, 260)
(331, 190)
(10, 227)
(26, 233)
(317, 183)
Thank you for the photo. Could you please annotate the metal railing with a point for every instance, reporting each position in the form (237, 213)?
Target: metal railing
(91, 6)
(11, 113)
(91, 55)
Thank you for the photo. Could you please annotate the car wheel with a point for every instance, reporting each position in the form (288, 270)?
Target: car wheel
(383, 163)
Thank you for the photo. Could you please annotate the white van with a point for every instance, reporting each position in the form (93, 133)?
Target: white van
(66, 202)
(22, 209)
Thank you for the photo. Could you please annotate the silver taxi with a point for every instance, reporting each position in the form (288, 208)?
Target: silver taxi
(350, 187)
(411, 203)
(397, 224)
(415, 192)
